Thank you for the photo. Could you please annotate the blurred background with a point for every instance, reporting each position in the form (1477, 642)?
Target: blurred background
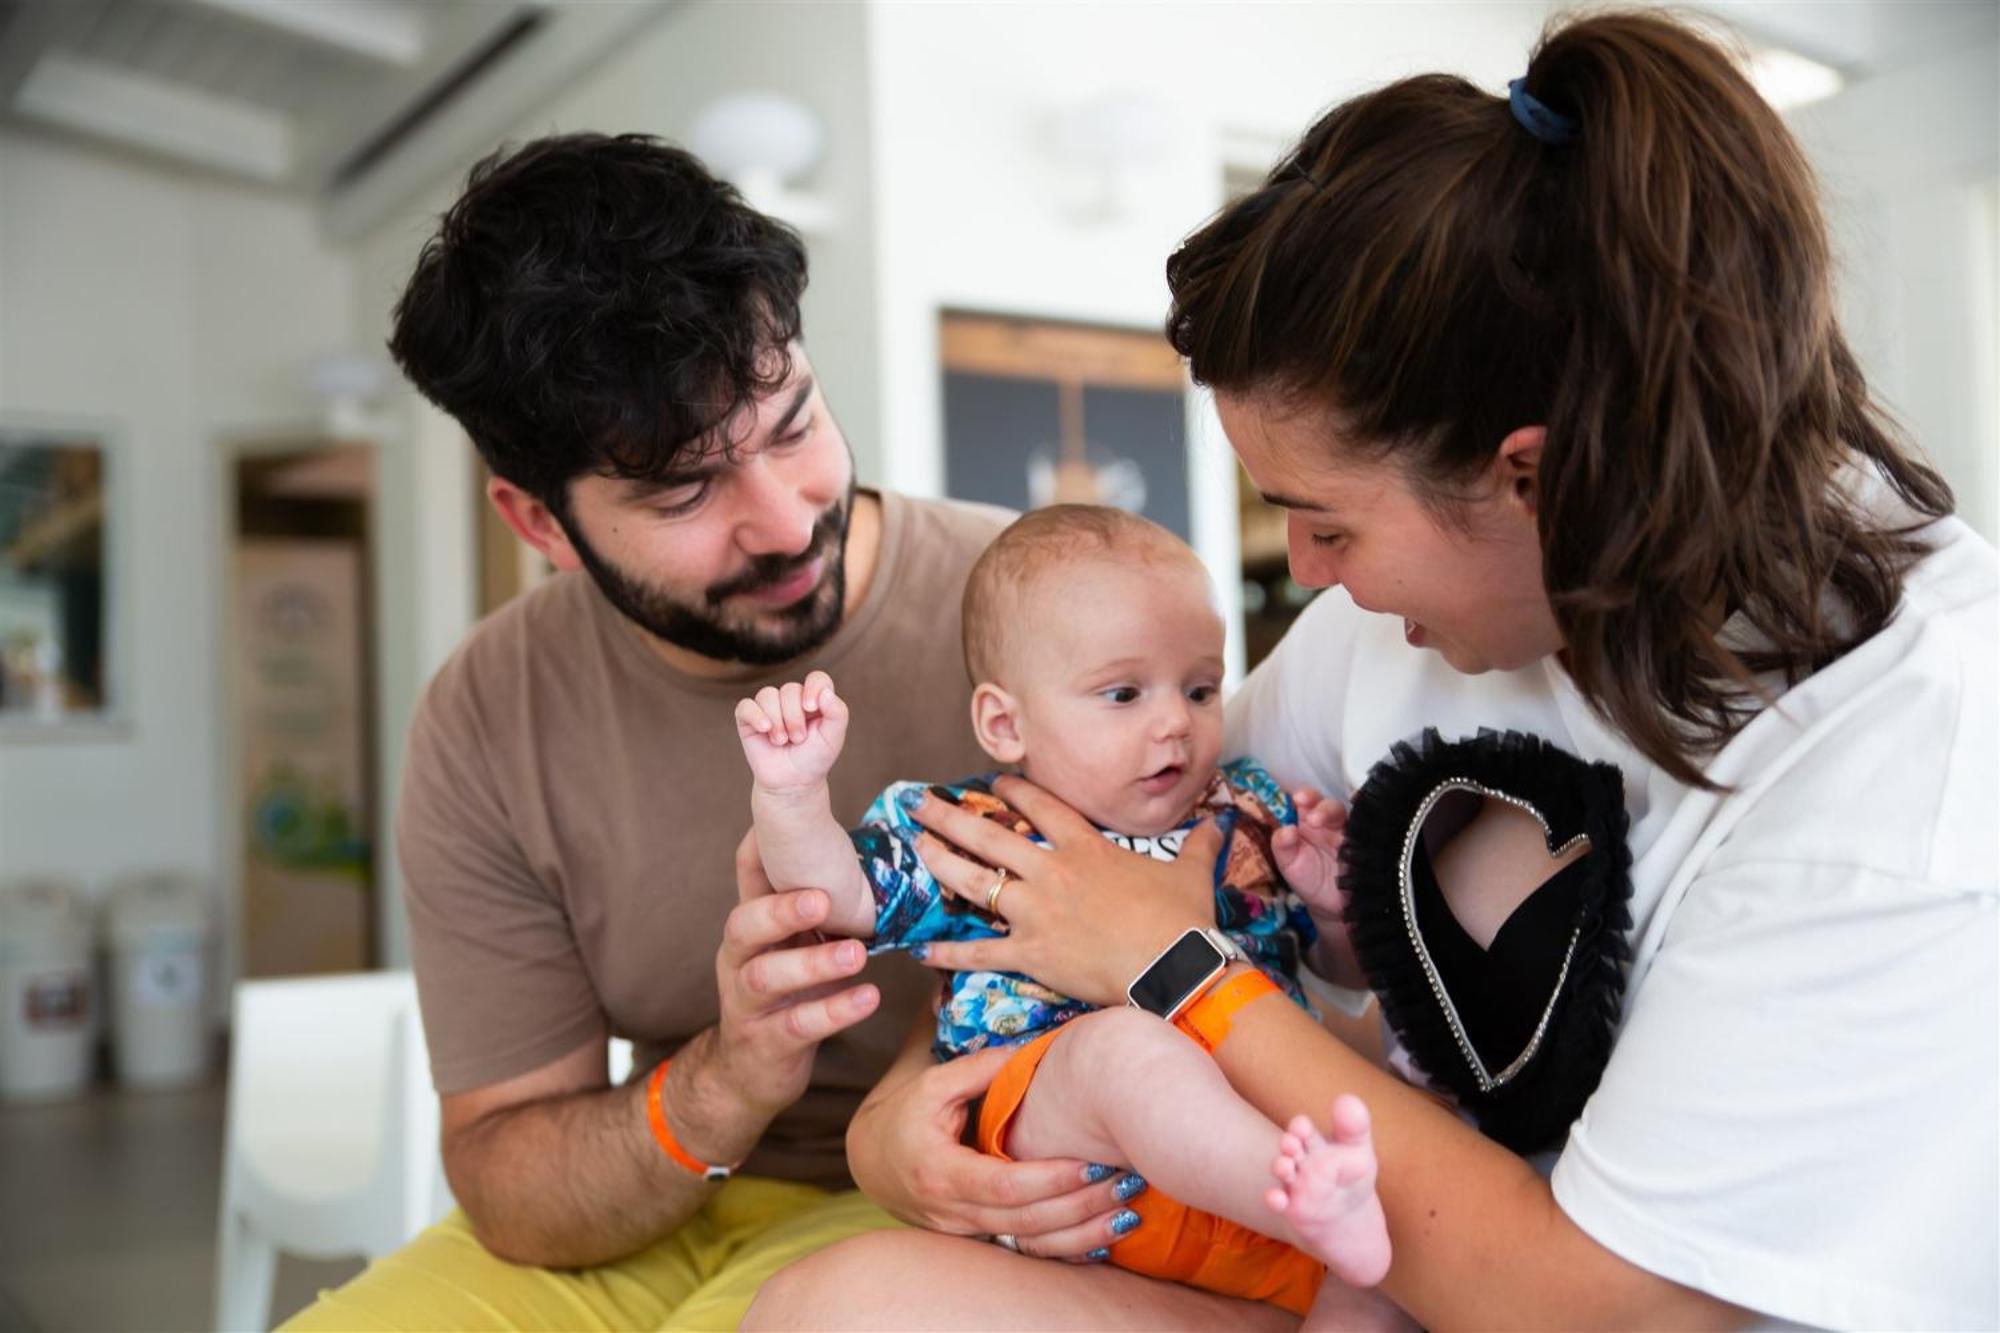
(234, 545)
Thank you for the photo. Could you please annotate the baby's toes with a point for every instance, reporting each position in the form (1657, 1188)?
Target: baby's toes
(1350, 1119)
(1354, 1170)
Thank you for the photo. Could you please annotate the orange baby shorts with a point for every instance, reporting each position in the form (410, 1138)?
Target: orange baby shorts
(1174, 1241)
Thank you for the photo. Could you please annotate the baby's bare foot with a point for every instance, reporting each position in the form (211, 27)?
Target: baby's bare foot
(1326, 1191)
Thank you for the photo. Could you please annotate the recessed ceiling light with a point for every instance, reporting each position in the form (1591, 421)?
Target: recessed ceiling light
(1788, 80)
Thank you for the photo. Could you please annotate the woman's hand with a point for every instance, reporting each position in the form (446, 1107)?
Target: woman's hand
(1084, 915)
(905, 1152)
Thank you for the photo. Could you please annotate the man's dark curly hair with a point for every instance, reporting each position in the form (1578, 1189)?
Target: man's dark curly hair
(597, 304)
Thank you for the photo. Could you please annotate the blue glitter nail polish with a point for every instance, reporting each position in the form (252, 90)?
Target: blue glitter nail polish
(920, 951)
(1097, 1171)
(910, 797)
(1097, 1256)
(1124, 1222)
(1129, 1188)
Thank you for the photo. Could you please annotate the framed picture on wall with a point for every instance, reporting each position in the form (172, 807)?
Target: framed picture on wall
(1038, 412)
(57, 629)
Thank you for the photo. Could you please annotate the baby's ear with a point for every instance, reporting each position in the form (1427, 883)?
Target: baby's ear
(996, 723)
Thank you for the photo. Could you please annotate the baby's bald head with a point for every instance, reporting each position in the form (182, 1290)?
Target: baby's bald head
(1023, 568)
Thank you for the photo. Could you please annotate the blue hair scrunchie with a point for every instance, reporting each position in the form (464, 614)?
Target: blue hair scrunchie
(1550, 127)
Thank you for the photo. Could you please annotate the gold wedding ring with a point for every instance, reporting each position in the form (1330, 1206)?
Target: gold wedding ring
(993, 894)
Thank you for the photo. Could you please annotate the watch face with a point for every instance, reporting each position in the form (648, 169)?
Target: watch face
(1191, 961)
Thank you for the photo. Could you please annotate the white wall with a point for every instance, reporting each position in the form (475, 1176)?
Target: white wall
(176, 310)
(1909, 159)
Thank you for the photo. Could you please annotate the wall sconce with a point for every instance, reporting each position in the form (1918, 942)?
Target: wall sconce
(1111, 144)
(348, 387)
(759, 142)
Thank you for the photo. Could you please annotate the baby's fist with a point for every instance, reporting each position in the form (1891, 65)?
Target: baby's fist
(792, 733)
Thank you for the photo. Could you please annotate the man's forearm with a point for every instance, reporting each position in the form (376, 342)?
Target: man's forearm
(578, 1179)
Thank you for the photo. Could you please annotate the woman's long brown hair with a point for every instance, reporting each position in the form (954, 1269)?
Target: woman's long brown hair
(1657, 292)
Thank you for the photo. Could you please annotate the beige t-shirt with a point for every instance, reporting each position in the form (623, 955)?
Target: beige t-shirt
(571, 807)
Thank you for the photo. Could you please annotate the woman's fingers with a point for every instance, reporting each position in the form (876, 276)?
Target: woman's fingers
(961, 876)
(1041, 1198)
(983, 838)
(1205, 843)
(998, 955)
(1052, 818)
(960, 1080)
(1089, 1242)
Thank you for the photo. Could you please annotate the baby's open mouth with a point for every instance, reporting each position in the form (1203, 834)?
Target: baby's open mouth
(1162, 780)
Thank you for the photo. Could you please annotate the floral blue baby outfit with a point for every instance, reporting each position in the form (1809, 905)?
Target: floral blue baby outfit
(1252, 903)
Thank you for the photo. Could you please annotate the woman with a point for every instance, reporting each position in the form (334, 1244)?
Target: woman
(1551, 387)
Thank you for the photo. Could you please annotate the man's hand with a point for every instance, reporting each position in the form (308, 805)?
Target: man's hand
(780, 995)
(792, 733)
(544, 1163)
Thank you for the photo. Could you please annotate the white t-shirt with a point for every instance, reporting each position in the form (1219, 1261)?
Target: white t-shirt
(1801, 1112)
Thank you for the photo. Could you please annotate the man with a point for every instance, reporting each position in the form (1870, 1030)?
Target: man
(619, 335)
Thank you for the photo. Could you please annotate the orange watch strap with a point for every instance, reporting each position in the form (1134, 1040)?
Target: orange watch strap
(656, 1116)
(1207, 1020)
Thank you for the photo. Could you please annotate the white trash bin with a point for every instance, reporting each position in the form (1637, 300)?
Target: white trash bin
(48, 992)
(158, 927)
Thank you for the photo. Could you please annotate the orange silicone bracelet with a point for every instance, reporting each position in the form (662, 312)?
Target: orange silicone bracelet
(1207, 1020)
(656, 1116)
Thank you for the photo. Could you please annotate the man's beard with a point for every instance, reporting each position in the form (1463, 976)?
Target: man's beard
(708, 629)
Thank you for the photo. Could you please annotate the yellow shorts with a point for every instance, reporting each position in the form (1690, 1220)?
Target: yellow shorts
(703, 1276)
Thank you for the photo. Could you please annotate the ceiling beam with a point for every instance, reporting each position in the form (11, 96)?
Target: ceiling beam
(576, 38)
(385, 31)
(142, 111)
(33, 29)
(334, 131)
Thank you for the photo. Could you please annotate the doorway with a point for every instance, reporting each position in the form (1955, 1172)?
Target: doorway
(301, 696)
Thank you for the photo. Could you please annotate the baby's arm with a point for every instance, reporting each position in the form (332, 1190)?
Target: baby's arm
(1309, 859)
(792, 735)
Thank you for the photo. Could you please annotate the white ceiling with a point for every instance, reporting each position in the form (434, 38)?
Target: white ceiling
(355, 101)
(319, 96)
(1863, 37)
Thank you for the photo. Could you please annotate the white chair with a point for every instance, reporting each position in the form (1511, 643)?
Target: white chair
(331, 1148)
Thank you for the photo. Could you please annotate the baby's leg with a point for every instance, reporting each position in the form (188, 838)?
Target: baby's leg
(1121, 1086)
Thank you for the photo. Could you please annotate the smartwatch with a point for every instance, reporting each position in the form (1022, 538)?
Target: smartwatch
(1184, 969)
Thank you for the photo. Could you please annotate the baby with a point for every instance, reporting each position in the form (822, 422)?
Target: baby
(1096, 654)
